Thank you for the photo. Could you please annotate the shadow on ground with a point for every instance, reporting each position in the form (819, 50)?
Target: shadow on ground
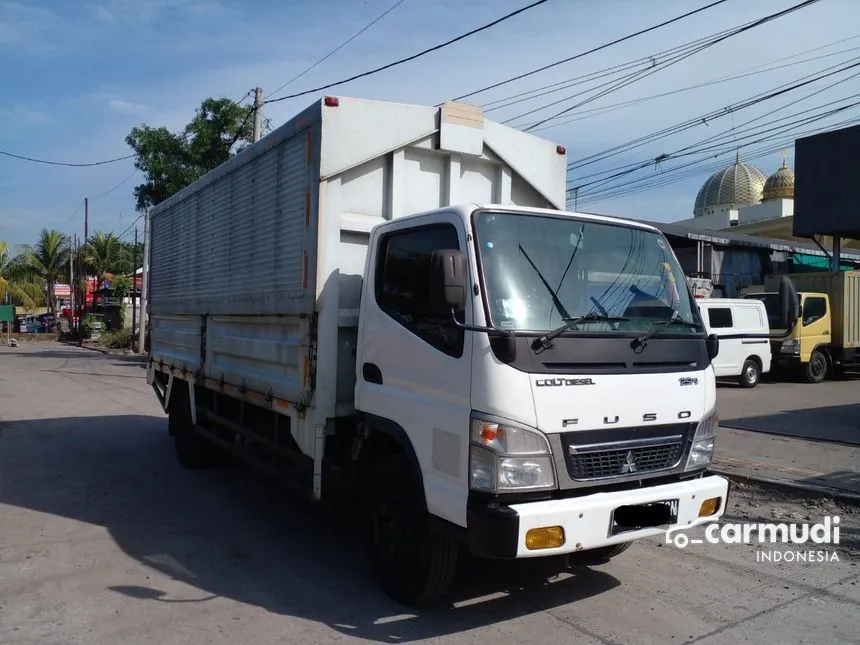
(231, 534)
(839, 423)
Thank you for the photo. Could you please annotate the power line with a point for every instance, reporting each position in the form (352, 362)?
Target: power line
(590, 51)
(339, 47)
(752, 71)
(419, 54)
(686, 125)
(663, 157)
(108, 192)
(559, 86)
(61, 163)
(694, 167)
(735, 32)
(624, 82)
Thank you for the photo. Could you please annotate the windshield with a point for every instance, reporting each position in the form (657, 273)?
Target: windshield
(540, 270)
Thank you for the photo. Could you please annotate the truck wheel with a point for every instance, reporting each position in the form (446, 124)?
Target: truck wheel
(816, 369)
(750, 374)
(598, 556)
(193, 451)
(414, 563)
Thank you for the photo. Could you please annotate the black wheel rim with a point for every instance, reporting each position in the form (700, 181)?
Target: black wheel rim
(817, 366)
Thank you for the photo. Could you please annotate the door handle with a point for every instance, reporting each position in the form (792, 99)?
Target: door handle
(371, 373)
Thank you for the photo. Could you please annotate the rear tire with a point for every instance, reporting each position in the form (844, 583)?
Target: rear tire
(192, 451)
(816, 369)
(750, 374)
(414, 563)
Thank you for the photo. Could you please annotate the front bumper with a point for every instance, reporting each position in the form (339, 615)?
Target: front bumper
(588, 521)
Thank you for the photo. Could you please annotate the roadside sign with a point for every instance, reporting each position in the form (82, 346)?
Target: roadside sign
(7, 313)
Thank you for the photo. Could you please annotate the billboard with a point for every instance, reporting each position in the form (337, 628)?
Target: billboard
(827, 183)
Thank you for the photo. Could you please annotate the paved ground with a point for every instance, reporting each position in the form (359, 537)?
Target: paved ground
(104, 539)
(796, 432)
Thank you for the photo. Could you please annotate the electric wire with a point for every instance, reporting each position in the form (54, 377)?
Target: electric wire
(749, 72)
(624, 169)
(339, 47)
(706, 164)
(424, 52)
(705, 118)
(558, 86)
(735, 32)
(590, 51)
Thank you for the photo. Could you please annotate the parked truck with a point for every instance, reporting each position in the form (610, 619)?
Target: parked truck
(388, 302)
(821, 336)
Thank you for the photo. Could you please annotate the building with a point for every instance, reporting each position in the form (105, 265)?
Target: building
(743, 198)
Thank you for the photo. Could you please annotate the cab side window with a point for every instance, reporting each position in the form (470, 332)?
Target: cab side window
(814, 309)
(720, 317)
(403, 284)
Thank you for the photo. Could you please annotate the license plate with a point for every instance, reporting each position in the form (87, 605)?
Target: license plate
(633, 517)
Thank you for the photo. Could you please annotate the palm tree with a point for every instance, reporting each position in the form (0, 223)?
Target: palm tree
(48, 260)
(16, 286)
(104, 254)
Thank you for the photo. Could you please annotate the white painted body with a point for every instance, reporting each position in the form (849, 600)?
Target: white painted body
(744, 332)
(431, 395)
(273, 255)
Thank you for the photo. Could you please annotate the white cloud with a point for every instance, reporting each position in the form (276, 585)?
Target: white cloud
(127, 107)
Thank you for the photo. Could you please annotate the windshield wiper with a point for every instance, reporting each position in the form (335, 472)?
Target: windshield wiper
(659, 327)
(544, 341)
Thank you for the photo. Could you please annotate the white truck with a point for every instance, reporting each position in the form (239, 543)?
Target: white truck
(388, 302)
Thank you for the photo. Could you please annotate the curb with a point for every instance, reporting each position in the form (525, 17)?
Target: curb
(104, 350)
(790, 486)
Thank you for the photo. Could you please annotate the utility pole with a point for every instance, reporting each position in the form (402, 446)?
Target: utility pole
(86, 237)
(258, 106)
(72, 286)
(144, 282)
(133, 291)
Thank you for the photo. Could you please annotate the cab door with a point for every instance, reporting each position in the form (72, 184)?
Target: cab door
(816, 322)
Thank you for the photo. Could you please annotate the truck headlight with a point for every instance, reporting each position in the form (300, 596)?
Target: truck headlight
(791, 346)
(505, 457)
(702, 450)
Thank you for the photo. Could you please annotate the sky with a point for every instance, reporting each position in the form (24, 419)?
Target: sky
(75, 77)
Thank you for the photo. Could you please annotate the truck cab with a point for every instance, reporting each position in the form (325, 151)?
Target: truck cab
(818, 334)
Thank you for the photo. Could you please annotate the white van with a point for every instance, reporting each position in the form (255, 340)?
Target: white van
(744, 332)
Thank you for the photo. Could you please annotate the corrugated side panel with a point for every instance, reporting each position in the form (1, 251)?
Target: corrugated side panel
(237, 246)
(267, 354)
(851, 310)
(176, 341)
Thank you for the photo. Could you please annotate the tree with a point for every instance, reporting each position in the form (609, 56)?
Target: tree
(47, 261)
(104, 255)
(219, 129)
(16, 285)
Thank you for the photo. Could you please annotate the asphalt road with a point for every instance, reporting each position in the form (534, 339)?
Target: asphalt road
(105, 539)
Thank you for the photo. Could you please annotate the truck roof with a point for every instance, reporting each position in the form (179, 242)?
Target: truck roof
(466, 209)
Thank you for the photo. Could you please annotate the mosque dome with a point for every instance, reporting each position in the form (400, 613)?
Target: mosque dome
(780, 185)
(735, 186)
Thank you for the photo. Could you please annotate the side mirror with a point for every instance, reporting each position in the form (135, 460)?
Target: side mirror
(713, 345)
(448, 281)
(788, 301)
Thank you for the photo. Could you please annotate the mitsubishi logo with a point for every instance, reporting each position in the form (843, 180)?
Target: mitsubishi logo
(629, 465)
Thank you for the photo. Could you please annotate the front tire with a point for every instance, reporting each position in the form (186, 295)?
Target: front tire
(750, 374)
(413, 563)
(600, 555)
(816, 369)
